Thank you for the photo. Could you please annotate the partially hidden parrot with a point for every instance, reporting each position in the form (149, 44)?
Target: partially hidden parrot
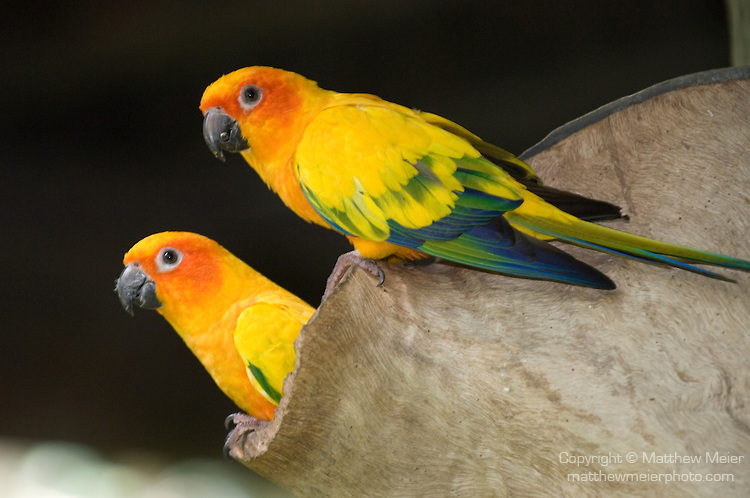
(240, 325)
(402, 184)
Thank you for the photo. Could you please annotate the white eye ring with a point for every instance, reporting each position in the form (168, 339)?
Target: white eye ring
(168, 259)
(250, 96)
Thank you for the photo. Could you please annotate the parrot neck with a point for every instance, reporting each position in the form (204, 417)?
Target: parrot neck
(193, 317)
(208, 331)
(272, 151)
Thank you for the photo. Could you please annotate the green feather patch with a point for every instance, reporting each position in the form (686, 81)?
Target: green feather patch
(263, 382)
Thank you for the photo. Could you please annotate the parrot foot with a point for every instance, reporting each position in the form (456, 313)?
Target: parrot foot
(347, 260)
(240, 426)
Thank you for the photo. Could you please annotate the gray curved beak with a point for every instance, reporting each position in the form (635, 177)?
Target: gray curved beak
(135, 286)
(222, 133)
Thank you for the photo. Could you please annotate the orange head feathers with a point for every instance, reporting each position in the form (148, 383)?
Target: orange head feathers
(195, 278)
(187, 267)
(268, 106)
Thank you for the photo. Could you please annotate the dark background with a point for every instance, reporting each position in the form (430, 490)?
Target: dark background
(102, 145)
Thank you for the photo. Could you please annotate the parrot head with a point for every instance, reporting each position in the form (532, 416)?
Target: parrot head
(257, 110)
(179, 274)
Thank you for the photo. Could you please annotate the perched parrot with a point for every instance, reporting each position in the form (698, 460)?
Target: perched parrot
(403, 184)
(239, 324)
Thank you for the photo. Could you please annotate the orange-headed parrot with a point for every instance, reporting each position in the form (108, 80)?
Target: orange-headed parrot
(403, 184)
(239, 324)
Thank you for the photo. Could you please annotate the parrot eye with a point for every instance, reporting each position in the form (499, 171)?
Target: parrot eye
(168, 259)
(250, 96)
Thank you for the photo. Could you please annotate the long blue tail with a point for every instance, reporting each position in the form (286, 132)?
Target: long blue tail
(499, 247)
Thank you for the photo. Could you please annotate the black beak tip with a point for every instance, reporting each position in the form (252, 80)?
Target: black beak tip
(215, 150)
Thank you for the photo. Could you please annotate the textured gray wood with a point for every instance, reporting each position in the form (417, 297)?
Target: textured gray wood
(453, 381)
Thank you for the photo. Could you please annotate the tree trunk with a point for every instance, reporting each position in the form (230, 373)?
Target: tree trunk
(447, 380)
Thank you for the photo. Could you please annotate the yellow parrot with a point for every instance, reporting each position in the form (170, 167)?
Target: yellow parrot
(403, 184)
(240, 325)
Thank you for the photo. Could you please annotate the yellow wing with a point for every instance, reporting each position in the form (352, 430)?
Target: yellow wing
(368, 166)
(264, 337)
